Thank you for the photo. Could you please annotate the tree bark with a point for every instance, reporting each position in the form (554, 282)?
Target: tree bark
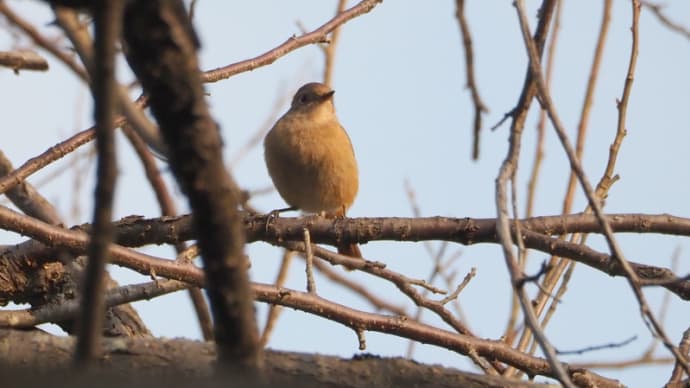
(35, 358)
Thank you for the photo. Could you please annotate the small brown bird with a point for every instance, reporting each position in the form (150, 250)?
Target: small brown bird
(310, 157)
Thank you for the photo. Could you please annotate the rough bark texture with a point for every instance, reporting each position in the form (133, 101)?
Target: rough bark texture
(161, 49)
(34, 358)
(38, 283)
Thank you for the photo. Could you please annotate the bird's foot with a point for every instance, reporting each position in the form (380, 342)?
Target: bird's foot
(276, 213)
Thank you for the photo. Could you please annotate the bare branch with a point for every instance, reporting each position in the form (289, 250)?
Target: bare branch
(309, 259)
(329, 50)
(684, 349)
(23, 60)
(588, 101)
(107, 16)
(454, 295)
(376, 301)
(51, 313)
(588, 349)
(42, 41)
(658, 11)
(421, 332)
(161, 51)
(471, 83)
(274, 310)
(545, 100)
(317, 36)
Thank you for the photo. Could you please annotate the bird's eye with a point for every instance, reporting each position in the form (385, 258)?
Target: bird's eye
(303, 99)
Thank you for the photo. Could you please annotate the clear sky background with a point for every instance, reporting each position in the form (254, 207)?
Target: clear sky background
(399, 81)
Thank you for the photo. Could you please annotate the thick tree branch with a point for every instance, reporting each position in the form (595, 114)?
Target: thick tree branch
(405, 328)
(107, 16)
(161, 49)
(137, 231)
(173, 363)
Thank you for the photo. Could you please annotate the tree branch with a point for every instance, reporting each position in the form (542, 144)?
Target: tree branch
(107, 16)
(317, 36)
(137, 231)
(23, 60)
(162, 52)
(547, 103)
(471, 83)
(182, 363)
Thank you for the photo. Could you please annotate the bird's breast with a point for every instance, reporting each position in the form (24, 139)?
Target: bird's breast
(312, 164)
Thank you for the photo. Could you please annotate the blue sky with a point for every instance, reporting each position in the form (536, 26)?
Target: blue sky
(399, 81)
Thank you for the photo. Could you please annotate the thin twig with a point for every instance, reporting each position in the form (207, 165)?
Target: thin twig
(278, 104)
(449, 280)
(658, 11)
(436, 258)
(483, 364)
(545, 293)
(27, 198)
(377, 302)
(329, 49)
(684, 349)
(624, 364)
(50, 155)
(471, 83)
(274, 309)
(611, 345)
(309, 268)
(588, 101)
(454, 295)
(317, 36)
(665, 302)
(417, 212)
(403, 283)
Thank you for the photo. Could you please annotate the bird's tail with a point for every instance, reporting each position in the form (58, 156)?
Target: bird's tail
(351, 250)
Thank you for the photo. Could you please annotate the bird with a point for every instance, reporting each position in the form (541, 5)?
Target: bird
(311, 160)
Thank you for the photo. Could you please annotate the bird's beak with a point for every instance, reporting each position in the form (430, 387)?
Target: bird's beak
(328, 95)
